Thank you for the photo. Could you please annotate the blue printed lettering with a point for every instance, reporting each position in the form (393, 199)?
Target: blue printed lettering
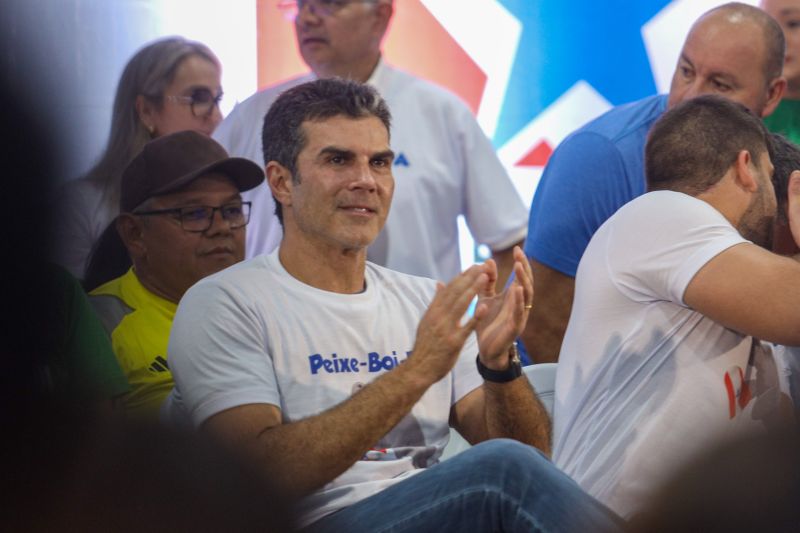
(378, 362)
(334, 365)
(315, 361)
(401, 160)
(374, 362)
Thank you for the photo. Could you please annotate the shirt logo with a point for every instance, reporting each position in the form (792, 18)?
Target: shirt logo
(738, 390)
(371, 362)
(159, 365)
(401, 160)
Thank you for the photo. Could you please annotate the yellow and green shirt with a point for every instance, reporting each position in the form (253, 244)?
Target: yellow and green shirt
(138, 323)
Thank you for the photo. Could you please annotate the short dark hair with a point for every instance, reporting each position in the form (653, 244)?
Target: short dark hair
(694, 144)
(774, 40)
(785, 157)
(282, 136)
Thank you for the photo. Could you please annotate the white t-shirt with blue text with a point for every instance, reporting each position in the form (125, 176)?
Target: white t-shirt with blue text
(254, 334)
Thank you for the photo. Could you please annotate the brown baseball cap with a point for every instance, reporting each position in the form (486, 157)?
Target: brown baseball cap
(171, 162)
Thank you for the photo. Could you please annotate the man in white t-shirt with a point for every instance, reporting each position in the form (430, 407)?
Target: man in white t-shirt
(444, 166)
(338, 378)
(662, 355)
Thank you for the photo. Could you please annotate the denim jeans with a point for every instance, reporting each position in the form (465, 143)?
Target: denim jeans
(499, 485)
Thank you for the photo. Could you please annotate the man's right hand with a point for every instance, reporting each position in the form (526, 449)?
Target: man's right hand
(441, 333)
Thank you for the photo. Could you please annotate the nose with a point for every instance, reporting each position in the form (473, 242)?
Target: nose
(216, 116)
(219, 225)
(696, 88)
(307, 14)
(364, 178)
(683, 92)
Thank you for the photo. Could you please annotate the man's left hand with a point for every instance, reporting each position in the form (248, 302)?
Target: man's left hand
(502, 317)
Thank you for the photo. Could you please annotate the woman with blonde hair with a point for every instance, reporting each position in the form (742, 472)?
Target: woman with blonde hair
(170, 85)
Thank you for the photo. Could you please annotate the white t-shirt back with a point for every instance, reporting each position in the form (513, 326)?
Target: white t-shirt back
(644, 382)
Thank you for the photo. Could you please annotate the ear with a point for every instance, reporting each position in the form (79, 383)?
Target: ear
(146, 112)
(775, 92)
(280, 183)
(384, 10)
(131, 231)
(745, 176)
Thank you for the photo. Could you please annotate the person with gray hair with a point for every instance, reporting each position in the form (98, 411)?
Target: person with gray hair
(169, 85)
(338, 378)
(664, 354)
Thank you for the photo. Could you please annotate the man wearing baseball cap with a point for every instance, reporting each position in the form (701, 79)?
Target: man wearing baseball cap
(182, 219)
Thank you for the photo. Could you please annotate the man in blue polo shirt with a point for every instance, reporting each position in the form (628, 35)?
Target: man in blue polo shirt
(734, 50)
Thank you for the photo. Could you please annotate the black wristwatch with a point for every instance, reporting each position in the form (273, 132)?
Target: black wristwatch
(511, 373)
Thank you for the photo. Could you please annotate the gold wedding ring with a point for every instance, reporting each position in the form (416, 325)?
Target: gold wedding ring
(529, 306)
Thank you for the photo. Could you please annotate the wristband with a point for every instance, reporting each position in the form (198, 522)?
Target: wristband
(511, 373)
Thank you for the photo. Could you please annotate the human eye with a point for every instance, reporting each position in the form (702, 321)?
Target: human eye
(337, 158)
(382, 162)
(721, 86)
(190, 214)
(202, 96)
(232, 210)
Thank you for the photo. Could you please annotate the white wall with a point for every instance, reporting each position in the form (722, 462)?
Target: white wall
(68, 55)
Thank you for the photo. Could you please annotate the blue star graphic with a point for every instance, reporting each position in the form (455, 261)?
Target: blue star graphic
(564, 42)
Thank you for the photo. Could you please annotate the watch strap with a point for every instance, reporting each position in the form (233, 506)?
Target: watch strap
(511, 373)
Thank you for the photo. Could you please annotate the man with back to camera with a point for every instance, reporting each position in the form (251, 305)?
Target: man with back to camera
(674, 294)
(338, 377)
(735, 51)
(182, 218)
(445, 165)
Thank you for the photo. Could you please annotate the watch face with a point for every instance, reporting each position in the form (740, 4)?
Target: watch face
(515, 354)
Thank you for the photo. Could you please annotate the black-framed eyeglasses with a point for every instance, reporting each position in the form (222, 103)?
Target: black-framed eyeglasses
(324, 8)
(202, 101)
(198, 218)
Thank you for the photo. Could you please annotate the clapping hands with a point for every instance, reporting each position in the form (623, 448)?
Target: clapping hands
(498, 319)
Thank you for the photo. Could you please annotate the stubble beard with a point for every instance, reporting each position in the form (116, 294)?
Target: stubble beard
(757, 224)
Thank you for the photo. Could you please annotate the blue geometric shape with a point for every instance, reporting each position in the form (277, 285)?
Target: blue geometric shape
(401, 160)
(564, 42)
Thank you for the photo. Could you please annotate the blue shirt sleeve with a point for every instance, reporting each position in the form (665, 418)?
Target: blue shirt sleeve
(584, 183)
